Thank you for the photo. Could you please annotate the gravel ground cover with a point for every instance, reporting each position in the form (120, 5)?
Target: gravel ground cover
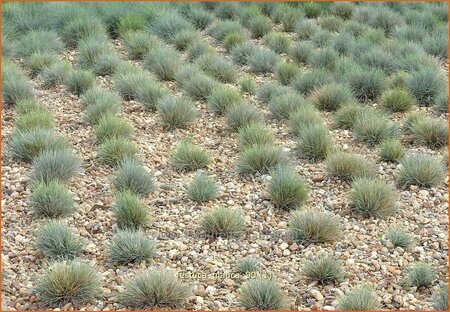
(210, 265)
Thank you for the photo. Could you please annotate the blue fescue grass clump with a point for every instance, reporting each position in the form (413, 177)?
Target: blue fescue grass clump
(176, 112)
(432, 132)
(222, 98)
(55, 73)
(372, 197)
(202, 188)
(422, 170)
(55, 165)
(36, 119)
(278, 42)
(57, 241)
(79, 80)
(184, 38)
(307, 82)
(260, 159)
(287, 191)
(138, 43)
(197, 48)
(29, 144)
(163, 62)
(306, 115)
(286, 72)
(314, 143)
(188, 157)
(306, 28)
(233, 39)
(220, 29)
(99, 103)
(331, 97)
(223, 221)
(310, 226)
(37, 62)
(348, 166)
(301, 51)
(111, 126)
(345, 116)
(51, 200)
(440, 298)
(248, 85)
(15, 86)
(128, 80)
(255, 134)
(421, 275)
(324, 58)
(130, 212)
(80, 28)
(270, 90)
(372, 127)
(130, 246)
(425, 85)
(323, 269)
(133, 177)
(282, 106)
(359, 298)
(242, 51)
(392, 150)
(367, 84)
(259, 26)
(243, 115)
(217, 67)
(91, 49)
(38, 41)
(399, 237)
(262, 60)
(247, 265)
(154, 288)
(397, 100)
(194, 82)
(168, 24)
(68, 282)
(112, 151)
(261, 293)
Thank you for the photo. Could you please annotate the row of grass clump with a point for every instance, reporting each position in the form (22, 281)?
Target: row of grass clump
(165, 62)
(204, 79)
(132, 180)
(130, 244)
(199, 81)
(54, 164)
(55, 240)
